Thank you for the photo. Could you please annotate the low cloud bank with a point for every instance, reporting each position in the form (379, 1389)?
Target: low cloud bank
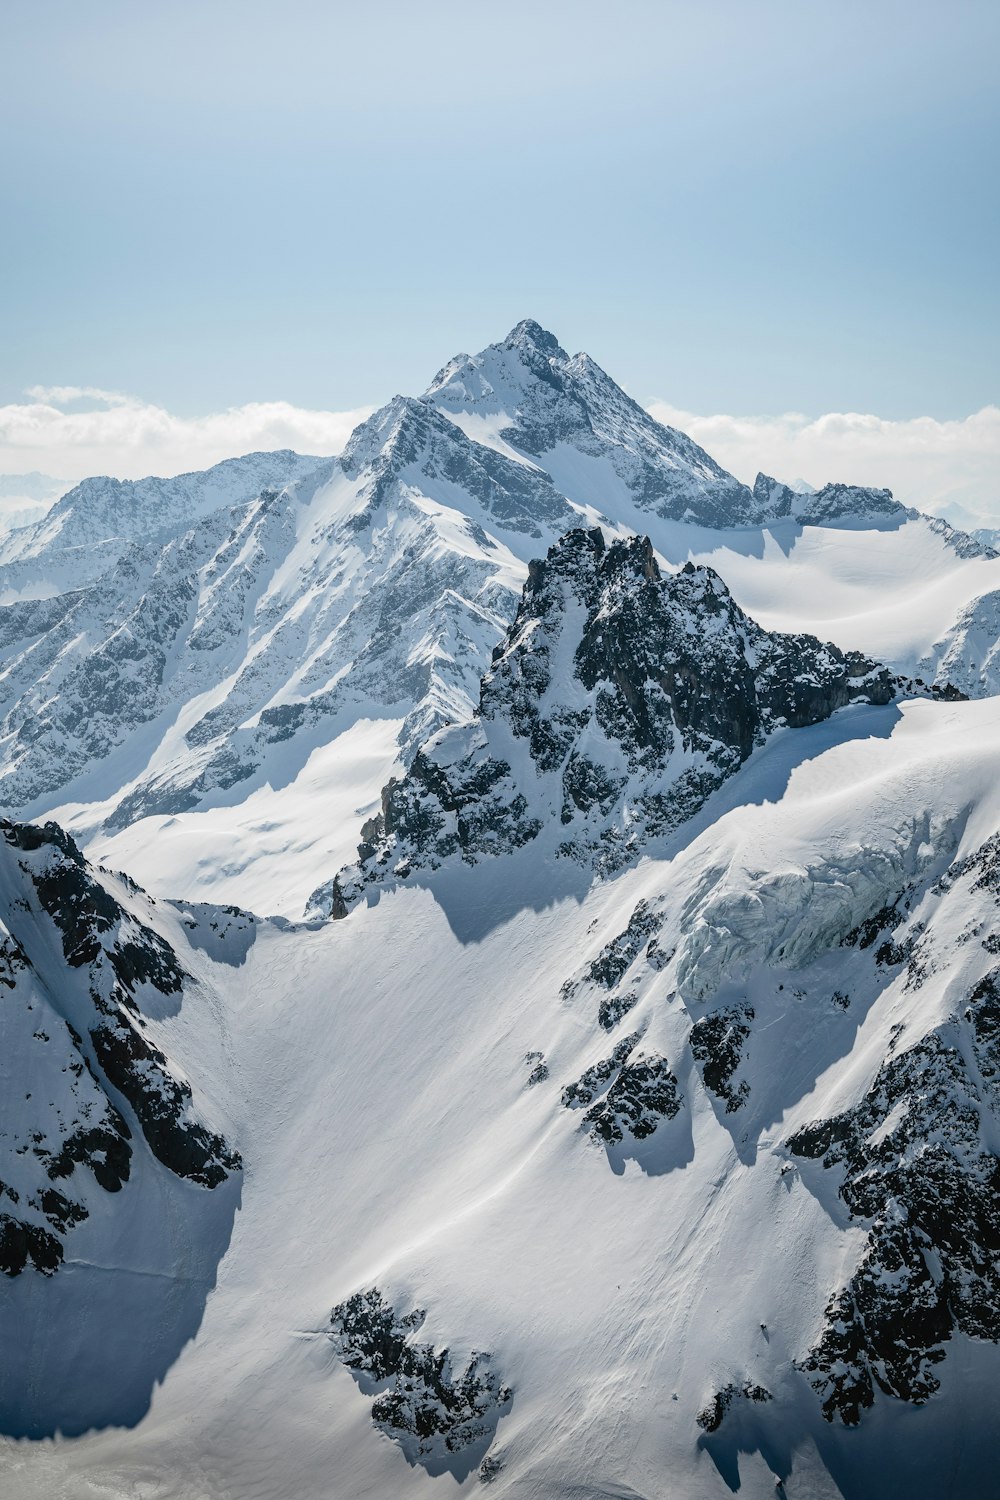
(69, 432)
(60, 434)
(947, 468)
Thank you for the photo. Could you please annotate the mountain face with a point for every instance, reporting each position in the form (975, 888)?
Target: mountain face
(632, 1127)
(618, 702)
(571, 420)
(568, 417)
(78, 965)
(258, 631)
(774, 501)
(86, 531)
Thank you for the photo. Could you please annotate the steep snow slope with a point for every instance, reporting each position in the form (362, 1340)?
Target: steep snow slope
(85, 532)
(270, 850)
(413, 1092)
(844, 561)
(282, 621)
(894, 590)
(528, 398)
(635, 1130)
(117, 1185)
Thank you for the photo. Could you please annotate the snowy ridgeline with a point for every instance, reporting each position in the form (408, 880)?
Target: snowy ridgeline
(177, 649)
(88, 979)
(634, 1128)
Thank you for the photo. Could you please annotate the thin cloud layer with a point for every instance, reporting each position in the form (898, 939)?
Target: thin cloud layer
(73, 431)
(947, 468)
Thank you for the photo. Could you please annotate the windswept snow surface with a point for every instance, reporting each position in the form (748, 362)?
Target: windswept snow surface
(377, 1087)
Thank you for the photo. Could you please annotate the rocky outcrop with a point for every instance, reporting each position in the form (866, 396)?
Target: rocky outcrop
(420, 1400)
(617, 968)
(633, 1090)
(712, 1415)
(409, 437)
(597, 1077)
(54, 1118)
(620, 699)
(644, 1093)
(77, 1042)
(617, 956)
(717, 1043)
(774, 501)
(917, 1166)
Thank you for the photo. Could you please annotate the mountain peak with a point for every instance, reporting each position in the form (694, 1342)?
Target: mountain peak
(531, 334)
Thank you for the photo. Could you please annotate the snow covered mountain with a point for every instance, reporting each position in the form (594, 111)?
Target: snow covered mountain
(565, 1185)
(619, 701)
(633, 1127)
(239, 643)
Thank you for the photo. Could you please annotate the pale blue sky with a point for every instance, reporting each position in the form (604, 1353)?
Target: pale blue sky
(742, 207)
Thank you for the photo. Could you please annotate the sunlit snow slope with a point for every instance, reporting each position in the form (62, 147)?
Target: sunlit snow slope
(379, 1084)
(624, 1119)
(238, 642)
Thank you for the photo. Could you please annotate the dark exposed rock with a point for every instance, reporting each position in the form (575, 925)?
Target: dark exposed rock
(717, 1043)
(104, 1149)
(979, 543)
(428, 1400)
(868, 931)
(617, 956)
(657, 956)
(919, 1169)
(590, 1083)
(638, 1091)
(408, 431)
(97, 1063)
(21, 1243)
(983, 865)
(614, 1009)
(711, 1416)
(142, 1074)
(123, 954)
(370, 1336)
(775, 501)
(84, 911)
(615, 685)
(423, 1401)
(644, 1093)
(538, 1066)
